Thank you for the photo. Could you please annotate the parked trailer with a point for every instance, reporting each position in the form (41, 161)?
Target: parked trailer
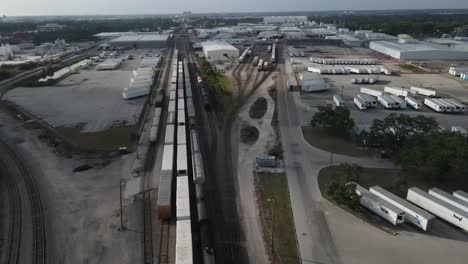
(180, 104)
(360, 104)
(398, 101)
(387, 102)
(255, 61)
(448, 198)
(448, 107)
(181, 135)
(181, 118)
(415, 104)
(184, 247)
(398, 91)
(182, 167)
(172, 95)
(260, 65)
(461, 106)
(424, 91)
(198, 170)
(413, 214)
(438, 207)
(165, 183)
(153, 134)
(338, 100)
(371, 92)
(201, 209)
(369, 100)
(171, 107)
(199, 192)
(431, 103)
(171, 118)
(182, 198)
(461, 195)
(169, 137)
(380, 206)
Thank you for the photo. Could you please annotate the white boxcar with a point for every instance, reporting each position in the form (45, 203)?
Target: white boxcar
(434, 105)
(413, 214)
(338, 100)
(461, 195)
(183, 248)
(170, 133)
(371, 92)
(168, 158)
(448, 198)
(379, 206)
(180, 104)
(360, 104)
(438, 207)
(415, 104)
(182, 160)
(424, 91)
(181, 135)
(182, 198)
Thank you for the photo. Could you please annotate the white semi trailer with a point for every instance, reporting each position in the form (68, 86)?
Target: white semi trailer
(415, 104)
(448, 198)
(369, 100)
(371, 92)
(438, 207)
(360, 104)
(434, 105)
(461, 195)
(379, 206)
(338, 100)
(424, 91)
(413, 214)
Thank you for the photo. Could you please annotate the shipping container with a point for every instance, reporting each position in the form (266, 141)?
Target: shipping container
(182, 198)
(424, 91)
(379, 206)
(448, 198)
(398, 101)
(171, 118)
(183, 248)
(171, 107)
(198, 170)
(172, 95)
(387, 102)
(415, 104)
(413, 214)
(199, 193)
(180, 93)
(448, 107)
(338, 100)
(368, 100)
(170, 134)
(181, 117)
(153, 134)
(438, 207)
(201, 211)
(180, 104)
(461, 195)
(182, 168)
(398, 91)
(460, 107)
(164, 194)
(190, 109)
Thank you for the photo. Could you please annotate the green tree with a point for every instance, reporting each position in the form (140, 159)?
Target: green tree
(336, 120)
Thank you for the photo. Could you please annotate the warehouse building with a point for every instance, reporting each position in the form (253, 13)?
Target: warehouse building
(285, 19)
(219, 50)
(140, 41)
(419, 50)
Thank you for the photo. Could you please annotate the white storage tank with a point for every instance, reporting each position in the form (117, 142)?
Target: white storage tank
(448, 198)
(438, 207)
(380, 207)
(413, 214)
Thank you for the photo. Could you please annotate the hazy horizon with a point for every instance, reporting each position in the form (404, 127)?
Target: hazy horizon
(148, 7)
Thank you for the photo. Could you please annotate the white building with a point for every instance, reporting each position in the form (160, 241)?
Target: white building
(219, 50)
(284, 19)
(419, 50)
(312, 82)
(140, 41)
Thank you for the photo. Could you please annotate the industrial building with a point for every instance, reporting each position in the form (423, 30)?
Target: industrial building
(50, 27)
(285, 19)
(419, 50)
(312, 82)
(140, 41)
(219, 50)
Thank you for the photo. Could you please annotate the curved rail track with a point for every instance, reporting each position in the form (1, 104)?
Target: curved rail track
(38, 223)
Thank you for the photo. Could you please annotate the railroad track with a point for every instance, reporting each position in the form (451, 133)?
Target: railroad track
(14, 239)
(39, 255)
(164, 243)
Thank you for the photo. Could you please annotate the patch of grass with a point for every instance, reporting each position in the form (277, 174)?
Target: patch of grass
(249, 134)
(274, 187)
(259, 108)
(322, 139)
(107, 140)
(411, 67)
(227, 84)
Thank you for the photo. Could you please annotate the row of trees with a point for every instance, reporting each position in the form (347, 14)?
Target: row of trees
(344, 192)
(416, 143)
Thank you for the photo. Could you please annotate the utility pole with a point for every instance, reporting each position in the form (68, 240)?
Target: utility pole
(122, 184)
(331, 159)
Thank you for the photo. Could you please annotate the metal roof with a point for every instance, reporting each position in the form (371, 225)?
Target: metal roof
(217, 45)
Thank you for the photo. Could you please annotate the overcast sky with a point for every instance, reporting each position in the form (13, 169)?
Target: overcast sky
(85, 7)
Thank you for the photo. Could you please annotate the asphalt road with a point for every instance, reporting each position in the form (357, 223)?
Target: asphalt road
(303, 163)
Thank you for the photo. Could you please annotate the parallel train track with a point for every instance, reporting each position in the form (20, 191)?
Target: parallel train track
(39, 255)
